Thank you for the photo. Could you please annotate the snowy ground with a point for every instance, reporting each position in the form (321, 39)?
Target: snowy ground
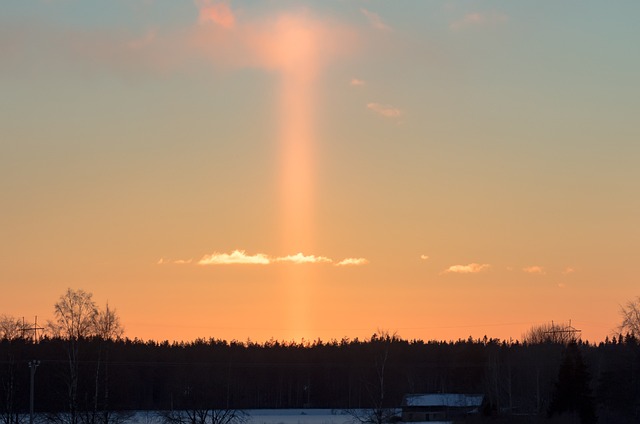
(298, 416)
(278, 416)
(272, 416)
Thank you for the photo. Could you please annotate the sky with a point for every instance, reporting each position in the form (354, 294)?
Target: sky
(321, 169)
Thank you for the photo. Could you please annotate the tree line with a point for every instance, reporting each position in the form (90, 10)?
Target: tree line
(88, 373)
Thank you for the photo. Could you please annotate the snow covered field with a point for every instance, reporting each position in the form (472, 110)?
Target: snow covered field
(272, 416)
(298, 416)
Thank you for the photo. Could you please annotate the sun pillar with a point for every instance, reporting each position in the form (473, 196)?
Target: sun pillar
(298, 50)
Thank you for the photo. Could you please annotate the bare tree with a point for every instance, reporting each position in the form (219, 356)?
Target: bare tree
(630, 313)
(75, 316)
(107, 328)
(379, 413)
(551, 333)
(107, 324)
(11, 328)
(204, 416)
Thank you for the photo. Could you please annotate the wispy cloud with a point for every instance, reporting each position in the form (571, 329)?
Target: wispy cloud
(375, 20)
(235, 257)
(466, 269)
(384, 110)
(535, 269)
(217, 12)
(357, 82)
(182, 261)
(280, 40)
(163, 261)
(568, 270)
(300, 258)
(424, 257)
(352, 262)
(479, 19)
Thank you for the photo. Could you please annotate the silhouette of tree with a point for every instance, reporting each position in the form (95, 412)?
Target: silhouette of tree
(10, 333)
(380, 412)
(74, 321)
(107, 329)
(10, 327)
(77, 320)
(204, 416)
(572, 392)
(630, 313)
(107, 324)
(551, 333)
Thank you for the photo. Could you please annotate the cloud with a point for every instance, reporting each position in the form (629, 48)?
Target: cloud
(466, 269)
(568, 270)
(562, 285)
(352, 262)
(424, 257)
(241, 257)
(235, 257)
(479, 19)
(357, 82)
(375, 20)
(300, 258)
(298, 42)
(163, 261)
(183, 261)
(384, 110)
(535, 269)
(217, 12)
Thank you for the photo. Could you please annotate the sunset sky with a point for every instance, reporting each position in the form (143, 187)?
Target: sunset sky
(322, 169)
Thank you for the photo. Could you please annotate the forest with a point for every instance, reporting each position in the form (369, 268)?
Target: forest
(89, 376)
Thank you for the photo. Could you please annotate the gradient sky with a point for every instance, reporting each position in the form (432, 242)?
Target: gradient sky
(322, 169)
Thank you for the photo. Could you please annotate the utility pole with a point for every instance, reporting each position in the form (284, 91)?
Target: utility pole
(32, 366)
(566, 333)
(33, 329)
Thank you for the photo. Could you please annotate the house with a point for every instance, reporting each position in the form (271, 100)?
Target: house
(439, 406)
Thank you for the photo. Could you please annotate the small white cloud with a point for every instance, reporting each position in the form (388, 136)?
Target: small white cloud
(357, 82)
(300, 258)
(375, 20)
(466, 269)
(235, 257)
(384, 110)
(352, 261)
(182, 261)
(161, 261)
(535, 269)
(479, 19)
(424, 257)
(568, 270)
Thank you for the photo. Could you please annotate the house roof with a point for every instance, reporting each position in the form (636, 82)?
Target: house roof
(443, 399)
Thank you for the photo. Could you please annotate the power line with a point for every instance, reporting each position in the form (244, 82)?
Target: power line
(33, 329)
